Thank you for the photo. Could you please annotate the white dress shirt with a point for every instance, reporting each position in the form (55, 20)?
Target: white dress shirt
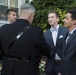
(70, 32)
(54, 36)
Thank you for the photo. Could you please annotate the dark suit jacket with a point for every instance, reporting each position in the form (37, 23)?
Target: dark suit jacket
(55, 49)
(69, 56)
(31, 43)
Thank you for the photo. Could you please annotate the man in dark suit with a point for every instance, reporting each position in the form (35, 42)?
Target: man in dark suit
(69, 49)
(21, 44)
(54, 37)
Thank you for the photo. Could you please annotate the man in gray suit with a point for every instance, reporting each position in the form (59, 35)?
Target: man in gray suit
(69, 49)
(54, 37)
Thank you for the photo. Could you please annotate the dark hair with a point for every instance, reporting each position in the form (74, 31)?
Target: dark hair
(53, 11)
(73, 13)
(10, 10)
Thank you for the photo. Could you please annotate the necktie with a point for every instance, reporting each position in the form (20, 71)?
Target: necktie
(53, 29)
(68, 37)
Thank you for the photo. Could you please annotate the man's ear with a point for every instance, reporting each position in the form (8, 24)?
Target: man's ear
(7, 15)
(29, 16)
(74, 22)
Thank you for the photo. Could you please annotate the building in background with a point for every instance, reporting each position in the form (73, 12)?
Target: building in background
(5, 4)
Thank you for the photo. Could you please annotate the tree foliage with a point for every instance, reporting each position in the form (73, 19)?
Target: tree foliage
(43, 6)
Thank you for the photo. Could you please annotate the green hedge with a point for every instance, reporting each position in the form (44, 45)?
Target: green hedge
(43, 6)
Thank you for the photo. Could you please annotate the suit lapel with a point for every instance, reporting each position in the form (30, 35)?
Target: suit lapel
(50, 39)
(70, 40)
(59, 33)
(65, 45)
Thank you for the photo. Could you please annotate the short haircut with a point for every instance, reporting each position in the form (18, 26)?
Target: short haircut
(27, 7)
(10, 10)
(73, 13)
(53, 11)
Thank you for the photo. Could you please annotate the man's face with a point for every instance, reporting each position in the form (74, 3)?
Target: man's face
(12, 16)
(68, 22)
(53, 19)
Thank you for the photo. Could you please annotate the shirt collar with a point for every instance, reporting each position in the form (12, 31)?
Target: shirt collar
(57, 27)
(72, 31)
(7, 22)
